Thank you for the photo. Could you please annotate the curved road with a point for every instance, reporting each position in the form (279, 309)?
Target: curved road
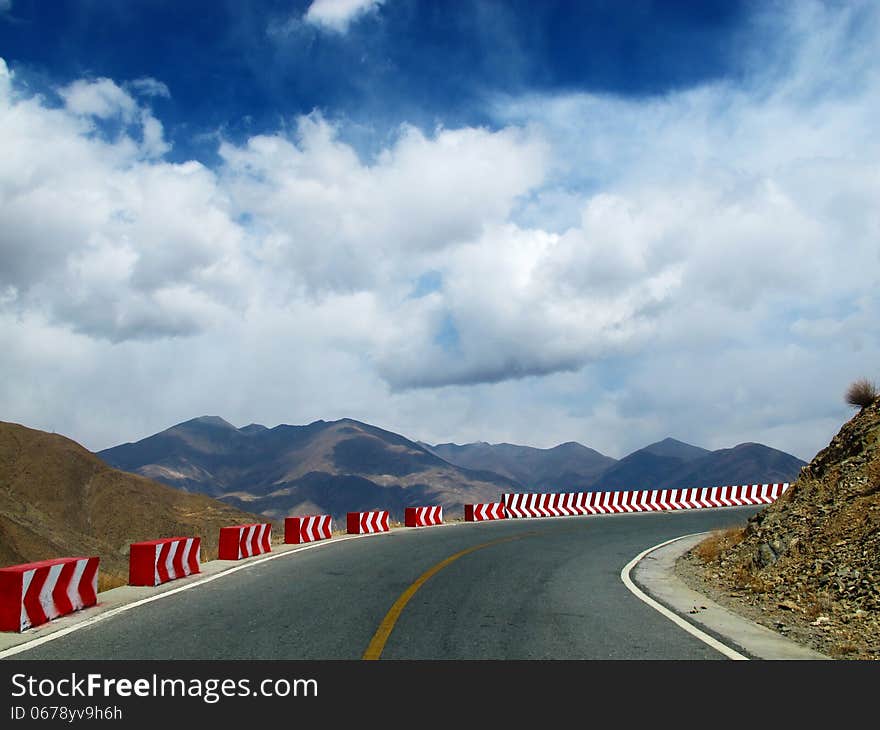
(545, 589)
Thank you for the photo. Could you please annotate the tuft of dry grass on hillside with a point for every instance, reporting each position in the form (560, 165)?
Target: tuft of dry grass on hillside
(718, 541)
(862, 393)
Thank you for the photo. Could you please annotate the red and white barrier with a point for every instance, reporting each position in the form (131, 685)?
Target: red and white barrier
(307, 528)
(154, 562)
(423, 516)
(245, 541)
(485, 511)
(359, 523)
(565, 505)
(34, 593)
(544, 505)
(643, 500)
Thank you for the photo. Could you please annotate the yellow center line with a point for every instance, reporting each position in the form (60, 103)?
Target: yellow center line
(377, 643)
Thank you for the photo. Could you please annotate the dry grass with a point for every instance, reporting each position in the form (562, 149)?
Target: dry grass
(108, 581)
(844, 648)
(862, 393)
(711, 549)
(813, 609)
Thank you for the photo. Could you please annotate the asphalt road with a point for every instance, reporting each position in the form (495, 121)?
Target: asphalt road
(553, 592)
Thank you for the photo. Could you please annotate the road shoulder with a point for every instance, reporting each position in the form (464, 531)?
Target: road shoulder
(655, 575)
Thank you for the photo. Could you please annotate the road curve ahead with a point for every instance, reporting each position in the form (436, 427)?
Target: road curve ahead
(511, 589)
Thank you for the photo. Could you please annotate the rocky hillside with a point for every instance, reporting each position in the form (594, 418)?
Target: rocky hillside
(809, 565)
(57, 499)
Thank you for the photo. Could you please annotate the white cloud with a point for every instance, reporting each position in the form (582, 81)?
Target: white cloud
(104, 100)
(150, 87)
(5, 6)
(101, 98)
(338, 15)
(99, 235)
(5, 80)
(153, 142)
(337, 224)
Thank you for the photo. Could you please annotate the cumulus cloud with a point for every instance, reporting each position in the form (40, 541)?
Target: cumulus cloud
(96, 232)
(103, 234)
(5, 6)
(338, 15)
(338, 224)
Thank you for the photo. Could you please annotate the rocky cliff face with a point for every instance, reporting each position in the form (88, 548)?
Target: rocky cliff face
(809, 565)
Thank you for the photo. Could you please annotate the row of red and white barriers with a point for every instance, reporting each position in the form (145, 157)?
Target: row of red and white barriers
(34, 593)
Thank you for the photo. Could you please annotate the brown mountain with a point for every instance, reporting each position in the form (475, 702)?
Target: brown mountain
(809, 564)
(57, 499)
(330, 467)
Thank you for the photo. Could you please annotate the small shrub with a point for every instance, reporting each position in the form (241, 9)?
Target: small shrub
(861, 393)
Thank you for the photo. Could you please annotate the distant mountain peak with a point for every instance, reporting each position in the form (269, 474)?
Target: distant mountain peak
(754, 447)
(675, 449)
(214, 421)
(253, 428)
(572, 446)
(347, 421)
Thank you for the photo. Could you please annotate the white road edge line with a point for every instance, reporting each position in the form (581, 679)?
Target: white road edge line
(128, 606)
(674, 617)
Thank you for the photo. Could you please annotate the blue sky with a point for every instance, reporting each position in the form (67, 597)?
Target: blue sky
(500, 221)
(248, 67)
(239, 69)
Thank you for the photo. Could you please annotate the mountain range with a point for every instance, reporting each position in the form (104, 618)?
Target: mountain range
(337, 466)
(568, 467)
(328, 467)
